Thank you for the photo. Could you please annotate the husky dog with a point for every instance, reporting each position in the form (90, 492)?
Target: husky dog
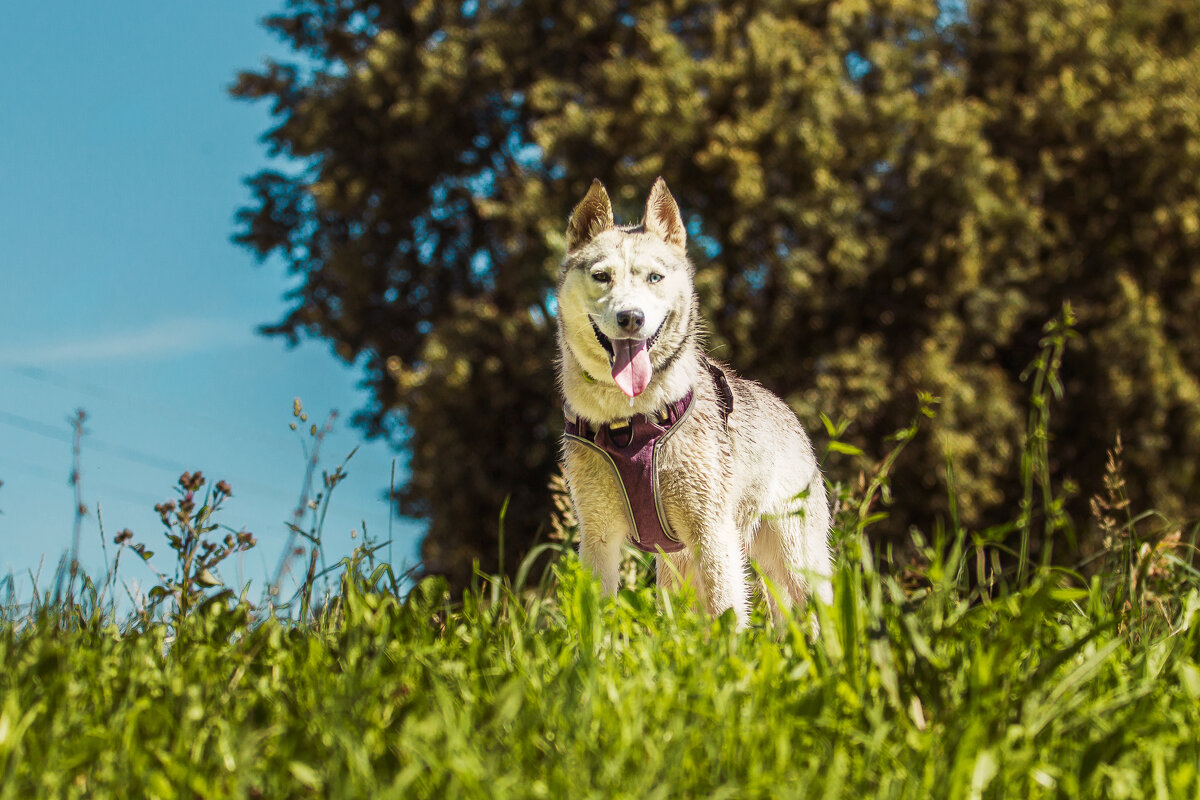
(664, 447)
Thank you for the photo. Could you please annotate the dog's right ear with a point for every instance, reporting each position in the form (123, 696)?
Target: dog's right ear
(590, 218)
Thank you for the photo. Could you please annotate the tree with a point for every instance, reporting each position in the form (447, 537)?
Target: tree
(882, 197)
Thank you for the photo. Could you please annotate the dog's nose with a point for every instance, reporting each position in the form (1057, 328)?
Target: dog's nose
(631, 321)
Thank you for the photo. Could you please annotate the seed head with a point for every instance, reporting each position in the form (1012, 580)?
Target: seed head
(190, 481)
(164, 509)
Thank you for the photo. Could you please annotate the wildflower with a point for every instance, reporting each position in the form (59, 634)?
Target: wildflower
(164, 509)
(190, 481)
(123, 536)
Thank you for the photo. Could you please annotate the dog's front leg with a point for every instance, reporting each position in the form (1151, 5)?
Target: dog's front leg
(600, 508)
(600, 551)
(722, 567)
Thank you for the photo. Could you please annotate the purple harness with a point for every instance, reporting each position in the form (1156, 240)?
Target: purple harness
(631, 447)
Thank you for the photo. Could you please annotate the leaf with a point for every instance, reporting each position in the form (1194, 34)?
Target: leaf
(206, 578)
(1189, 678)
(305, 774)
(830, 429)
(985, 770)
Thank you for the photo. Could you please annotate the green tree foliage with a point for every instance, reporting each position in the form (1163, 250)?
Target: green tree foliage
(883, 197)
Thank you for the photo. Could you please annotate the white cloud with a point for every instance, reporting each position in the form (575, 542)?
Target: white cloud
(156, 340)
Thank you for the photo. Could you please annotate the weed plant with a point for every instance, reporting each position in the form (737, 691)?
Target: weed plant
(973, 671)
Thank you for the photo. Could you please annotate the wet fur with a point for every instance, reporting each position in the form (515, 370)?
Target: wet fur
(743, 489)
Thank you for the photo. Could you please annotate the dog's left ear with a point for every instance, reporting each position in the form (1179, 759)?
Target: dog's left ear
(662, 216)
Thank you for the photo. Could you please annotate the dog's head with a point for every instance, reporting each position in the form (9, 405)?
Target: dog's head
(625, 294)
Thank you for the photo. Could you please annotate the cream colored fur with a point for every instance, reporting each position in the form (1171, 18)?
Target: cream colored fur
(737, 490)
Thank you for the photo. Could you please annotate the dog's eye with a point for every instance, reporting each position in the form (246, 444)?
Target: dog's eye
(654, 277)
(600, 277)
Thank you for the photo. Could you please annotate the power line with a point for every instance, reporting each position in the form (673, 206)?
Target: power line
(160, 409)
(164, 411)
(51, 476)
(126, 453)
(122, 452)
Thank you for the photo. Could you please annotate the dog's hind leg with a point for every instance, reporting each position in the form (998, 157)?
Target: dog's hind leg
(673, 570)
(721, 563)
(776, 582)
(792, 549)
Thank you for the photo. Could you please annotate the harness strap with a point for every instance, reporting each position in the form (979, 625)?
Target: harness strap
(630, 447)
(724, 393)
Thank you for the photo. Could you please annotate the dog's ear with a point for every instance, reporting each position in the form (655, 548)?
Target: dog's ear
(662, 216)
(590, 218)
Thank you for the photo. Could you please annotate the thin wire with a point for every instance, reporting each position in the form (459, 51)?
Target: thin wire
(162, 410)
(122, 452)
(48, 475)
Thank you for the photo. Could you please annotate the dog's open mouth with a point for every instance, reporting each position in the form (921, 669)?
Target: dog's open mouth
(607, 344)
(629, 359)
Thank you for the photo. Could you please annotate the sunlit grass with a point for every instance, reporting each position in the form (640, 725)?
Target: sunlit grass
(974, 671)
(1041, 691)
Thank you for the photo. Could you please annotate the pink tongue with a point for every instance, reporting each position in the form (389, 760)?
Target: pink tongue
(631, 366)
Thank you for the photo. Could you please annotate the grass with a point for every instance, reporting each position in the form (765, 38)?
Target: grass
(1044, 691)
(979, 672)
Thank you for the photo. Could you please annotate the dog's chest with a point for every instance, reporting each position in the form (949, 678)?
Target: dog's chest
(637, 459)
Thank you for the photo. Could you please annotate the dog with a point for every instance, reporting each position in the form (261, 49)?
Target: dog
(664, 447)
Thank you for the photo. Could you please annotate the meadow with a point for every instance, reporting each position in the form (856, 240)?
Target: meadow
(983, 664)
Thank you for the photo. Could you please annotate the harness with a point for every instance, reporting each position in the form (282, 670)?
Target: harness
(631, 447)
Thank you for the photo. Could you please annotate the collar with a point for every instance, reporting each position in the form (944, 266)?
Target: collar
(668, 417)
(639, 426)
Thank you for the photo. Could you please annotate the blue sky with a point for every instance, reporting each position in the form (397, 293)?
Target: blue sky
(121, 165)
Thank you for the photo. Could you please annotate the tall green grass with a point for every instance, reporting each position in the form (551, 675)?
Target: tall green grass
(1043, 691)
(979, 672)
